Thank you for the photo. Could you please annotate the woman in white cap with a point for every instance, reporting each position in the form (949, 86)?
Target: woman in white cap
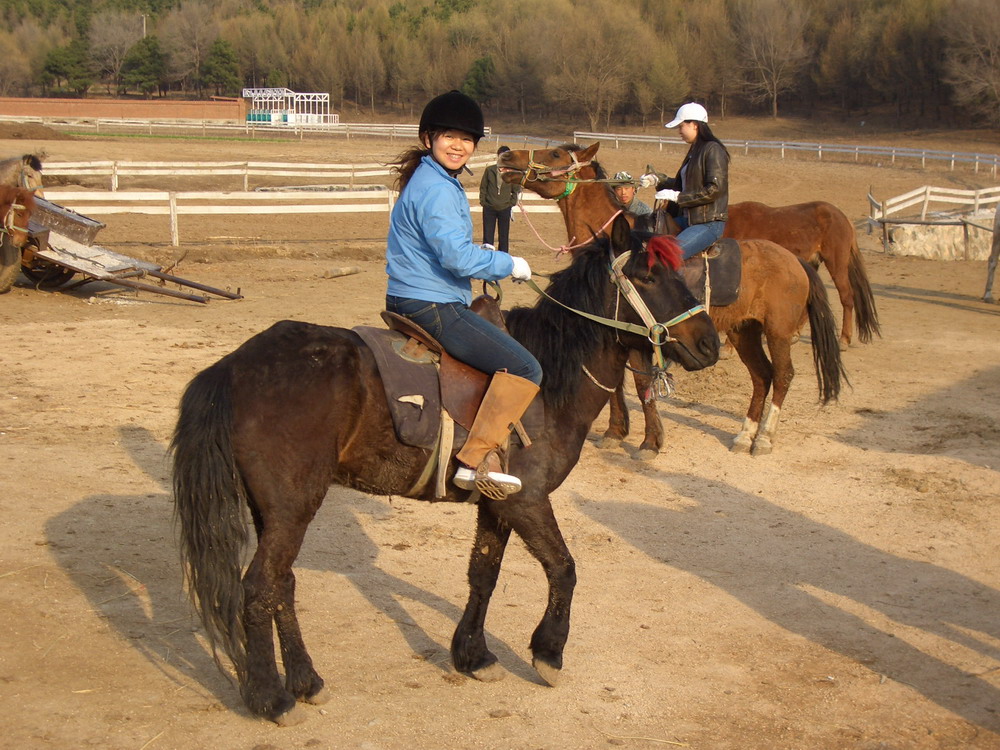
(701, 187)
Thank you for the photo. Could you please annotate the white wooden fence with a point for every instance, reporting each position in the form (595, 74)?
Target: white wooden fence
(889, 212)
(116, 171)
(255, 203)
(990, 162)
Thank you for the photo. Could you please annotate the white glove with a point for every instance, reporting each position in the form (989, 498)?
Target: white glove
(666, 195)
(648, 180)
(522, 271)
(488, 246)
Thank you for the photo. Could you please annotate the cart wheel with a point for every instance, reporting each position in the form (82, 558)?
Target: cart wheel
(10, 264)
(46, 275)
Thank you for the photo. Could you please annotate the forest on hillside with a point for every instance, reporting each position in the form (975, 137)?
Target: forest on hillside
(611, 61)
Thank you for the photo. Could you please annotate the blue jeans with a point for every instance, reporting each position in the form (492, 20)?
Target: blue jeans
(694, 238)
(468, 337)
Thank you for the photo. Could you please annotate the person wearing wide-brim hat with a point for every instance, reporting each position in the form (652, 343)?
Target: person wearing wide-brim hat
(700, 189)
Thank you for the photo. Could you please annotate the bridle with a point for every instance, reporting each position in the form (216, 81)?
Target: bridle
(658, 334)
(9, 227)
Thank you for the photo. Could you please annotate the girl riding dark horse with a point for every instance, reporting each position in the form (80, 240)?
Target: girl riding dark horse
(299, 407)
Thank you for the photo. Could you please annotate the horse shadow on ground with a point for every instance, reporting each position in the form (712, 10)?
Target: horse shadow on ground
(807, 577)
(935, 425)
(131, 575)
(951, 300)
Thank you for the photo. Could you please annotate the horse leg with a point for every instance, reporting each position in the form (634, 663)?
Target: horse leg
(618, 419)
(747, 343)
(652, 442)
(469, 652)
(841, 280)
(783, 372)
(269, 600)
(540, 533)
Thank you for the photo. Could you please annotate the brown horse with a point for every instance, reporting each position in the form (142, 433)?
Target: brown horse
(816, 231)
(778, 293)
(299, 407)
(16, 205)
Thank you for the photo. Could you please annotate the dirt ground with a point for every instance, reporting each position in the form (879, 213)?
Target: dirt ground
(841, 593)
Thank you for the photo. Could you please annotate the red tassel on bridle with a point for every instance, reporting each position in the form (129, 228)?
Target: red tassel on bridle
(666, 249)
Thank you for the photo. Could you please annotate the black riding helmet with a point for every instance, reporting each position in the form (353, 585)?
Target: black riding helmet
(453, 111)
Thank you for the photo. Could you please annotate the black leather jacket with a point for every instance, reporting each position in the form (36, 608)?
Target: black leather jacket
(706, 193)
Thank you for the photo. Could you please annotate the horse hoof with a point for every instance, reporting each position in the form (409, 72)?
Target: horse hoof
(741, 445)
(646, 454)
(609, 443)
(762, 448)
(493, 673)
(845, 345)
(547, 672)
(321, 697)
(292, 717)
(988, 298)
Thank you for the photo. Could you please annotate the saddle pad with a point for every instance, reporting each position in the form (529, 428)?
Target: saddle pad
(412, 388)
(725, 270)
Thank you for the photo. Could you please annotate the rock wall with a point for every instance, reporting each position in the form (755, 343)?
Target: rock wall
(943, 242)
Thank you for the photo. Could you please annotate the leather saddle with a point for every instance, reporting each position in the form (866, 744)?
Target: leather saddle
(714, 275)
(428, 390)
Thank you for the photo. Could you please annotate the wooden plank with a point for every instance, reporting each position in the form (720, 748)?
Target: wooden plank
(66, 221)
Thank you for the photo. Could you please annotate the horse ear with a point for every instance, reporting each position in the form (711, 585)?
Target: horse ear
(621, 235)
(588, 153)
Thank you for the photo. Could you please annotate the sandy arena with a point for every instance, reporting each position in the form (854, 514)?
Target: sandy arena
(841, 593)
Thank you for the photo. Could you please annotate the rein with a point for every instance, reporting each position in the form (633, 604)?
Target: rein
(8, 220)
(658, 334)
(562, 249)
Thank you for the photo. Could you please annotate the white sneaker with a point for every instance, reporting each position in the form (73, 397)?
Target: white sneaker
(494, 484)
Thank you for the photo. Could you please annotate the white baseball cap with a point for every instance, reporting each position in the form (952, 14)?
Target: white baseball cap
(689, 111)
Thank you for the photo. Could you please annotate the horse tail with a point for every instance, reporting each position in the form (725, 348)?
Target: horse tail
(825, 344)
(865, 315)
(209, 503)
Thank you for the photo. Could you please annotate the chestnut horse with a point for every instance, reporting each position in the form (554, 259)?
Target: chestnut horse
(299, 407)
(16, 205)
(816, 231)
(778, 293)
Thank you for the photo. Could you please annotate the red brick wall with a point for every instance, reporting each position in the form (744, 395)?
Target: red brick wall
(126, 109)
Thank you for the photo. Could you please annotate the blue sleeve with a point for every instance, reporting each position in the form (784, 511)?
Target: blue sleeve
(447, 229)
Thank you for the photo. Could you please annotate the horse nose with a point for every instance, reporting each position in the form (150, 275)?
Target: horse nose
(709, 347)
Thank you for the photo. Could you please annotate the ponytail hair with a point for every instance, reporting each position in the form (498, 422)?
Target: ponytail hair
(406, 164)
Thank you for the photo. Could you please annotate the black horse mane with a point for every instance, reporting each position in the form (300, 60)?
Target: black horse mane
(33, 161)
(561, 339)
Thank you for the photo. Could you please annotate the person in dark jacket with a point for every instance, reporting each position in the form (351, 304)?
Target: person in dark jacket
(497, 199)
(701, 187)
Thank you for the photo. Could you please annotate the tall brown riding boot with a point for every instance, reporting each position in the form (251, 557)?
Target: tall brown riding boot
(506, 400)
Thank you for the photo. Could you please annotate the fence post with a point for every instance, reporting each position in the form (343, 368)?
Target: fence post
(746, 147)
(114, 176)
(965, 240)
(952, 162)
(174, 235)
(819, 151)
(927, 197)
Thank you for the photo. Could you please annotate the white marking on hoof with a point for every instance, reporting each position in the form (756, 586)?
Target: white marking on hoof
(547, 672)
(493, 673)
(323, 696)
(292, 717)
(762, 447)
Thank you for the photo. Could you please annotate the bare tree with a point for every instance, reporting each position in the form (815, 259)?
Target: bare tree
(771, 38)
(15, 70)
(187, 33)
(112, 34)
(972, 31)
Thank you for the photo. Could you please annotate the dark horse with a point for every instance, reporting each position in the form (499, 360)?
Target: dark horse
(815, 231)
(778, 293)
(299, 407)
(16, 205)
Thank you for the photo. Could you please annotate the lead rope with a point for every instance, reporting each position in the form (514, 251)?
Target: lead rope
(563, 248)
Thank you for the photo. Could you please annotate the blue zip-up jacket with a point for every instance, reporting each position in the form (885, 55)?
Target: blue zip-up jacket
(429, 253)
